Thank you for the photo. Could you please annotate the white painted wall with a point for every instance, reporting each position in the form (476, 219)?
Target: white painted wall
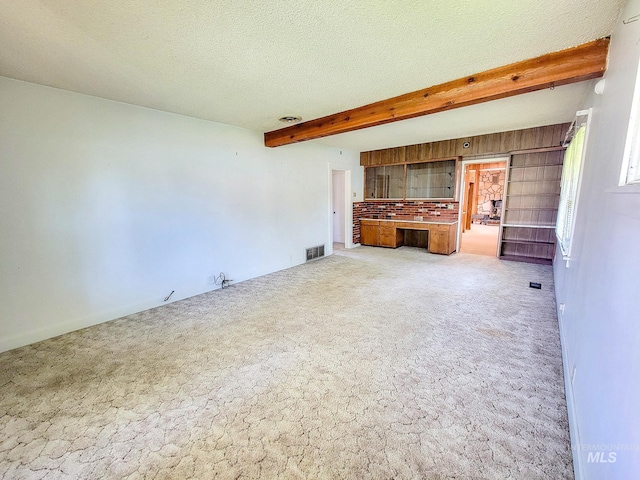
(601, 321)
(105, 208)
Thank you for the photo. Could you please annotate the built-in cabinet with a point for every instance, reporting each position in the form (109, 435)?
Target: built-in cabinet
(370, 232)
(439, 237)
(531, 206)
(380, 234)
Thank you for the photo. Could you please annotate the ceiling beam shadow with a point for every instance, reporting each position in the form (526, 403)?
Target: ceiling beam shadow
(572, 65)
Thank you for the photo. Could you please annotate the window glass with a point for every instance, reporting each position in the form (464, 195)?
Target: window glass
(630, 173)
(569, 190)
(424, 180)
(385, 182)
(431, 180)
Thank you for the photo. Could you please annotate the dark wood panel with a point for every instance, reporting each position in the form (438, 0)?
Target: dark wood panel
(550, 136)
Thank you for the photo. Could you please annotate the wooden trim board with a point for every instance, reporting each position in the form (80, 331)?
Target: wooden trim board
(571, 65)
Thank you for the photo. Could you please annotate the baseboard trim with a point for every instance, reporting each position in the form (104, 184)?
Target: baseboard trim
(572, 416)
(55, 330)
(39, 334)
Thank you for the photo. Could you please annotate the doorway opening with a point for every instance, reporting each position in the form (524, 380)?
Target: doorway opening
(338, 209)
(340, 231)
(482, 195)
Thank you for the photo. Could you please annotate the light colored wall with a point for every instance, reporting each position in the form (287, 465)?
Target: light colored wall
(105, 208)
(599, 290)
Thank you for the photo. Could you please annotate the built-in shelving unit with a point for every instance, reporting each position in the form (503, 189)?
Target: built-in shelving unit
(531, 206)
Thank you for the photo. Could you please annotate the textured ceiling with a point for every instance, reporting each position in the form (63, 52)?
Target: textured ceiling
(246, 63)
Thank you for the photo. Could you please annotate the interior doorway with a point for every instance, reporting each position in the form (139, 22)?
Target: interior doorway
(483, 191)
(338, 206)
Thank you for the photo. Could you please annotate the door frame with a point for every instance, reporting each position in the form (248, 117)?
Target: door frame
(463, 176)
(338, 223)
(348, 209)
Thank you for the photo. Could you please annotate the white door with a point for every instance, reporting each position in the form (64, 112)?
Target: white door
(338, 206)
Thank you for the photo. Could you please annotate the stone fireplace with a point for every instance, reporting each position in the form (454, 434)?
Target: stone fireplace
(490, 193)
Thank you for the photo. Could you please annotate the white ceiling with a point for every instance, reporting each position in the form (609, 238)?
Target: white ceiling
(247, 63)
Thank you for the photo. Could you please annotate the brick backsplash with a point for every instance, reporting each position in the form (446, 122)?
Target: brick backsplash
(428, 210)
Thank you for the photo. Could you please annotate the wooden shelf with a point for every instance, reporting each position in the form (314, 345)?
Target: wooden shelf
(526, 242)
(516, 225)
(533, 195)
(515, 258)
(532, 181)
(533, 166)
(529, 215)
(529, 208)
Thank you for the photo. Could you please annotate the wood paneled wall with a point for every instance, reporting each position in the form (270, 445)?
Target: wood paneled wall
(493, 143)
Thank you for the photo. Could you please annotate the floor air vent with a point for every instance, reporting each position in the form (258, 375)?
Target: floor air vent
(315, 252)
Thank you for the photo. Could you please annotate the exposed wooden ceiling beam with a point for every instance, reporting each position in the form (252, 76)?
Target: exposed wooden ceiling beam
(575, 64)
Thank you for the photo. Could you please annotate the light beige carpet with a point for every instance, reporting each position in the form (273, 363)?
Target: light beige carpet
(480, 240)
(372, 363)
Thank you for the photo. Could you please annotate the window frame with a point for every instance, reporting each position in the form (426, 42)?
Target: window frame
(454, 187)
(451, 174)
(569, 200)
(630, 171)
(388, 181)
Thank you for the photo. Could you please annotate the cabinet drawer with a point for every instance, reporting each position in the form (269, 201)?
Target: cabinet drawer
(414, 225)
(387, 241)
(373, 223)
(387, 229)
(394, 240)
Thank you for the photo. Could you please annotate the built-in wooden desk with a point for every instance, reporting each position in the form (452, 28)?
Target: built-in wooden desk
(380, 232)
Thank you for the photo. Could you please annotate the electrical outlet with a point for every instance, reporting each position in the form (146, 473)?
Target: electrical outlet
(561, 308)
(211, 279)
(354, 194)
